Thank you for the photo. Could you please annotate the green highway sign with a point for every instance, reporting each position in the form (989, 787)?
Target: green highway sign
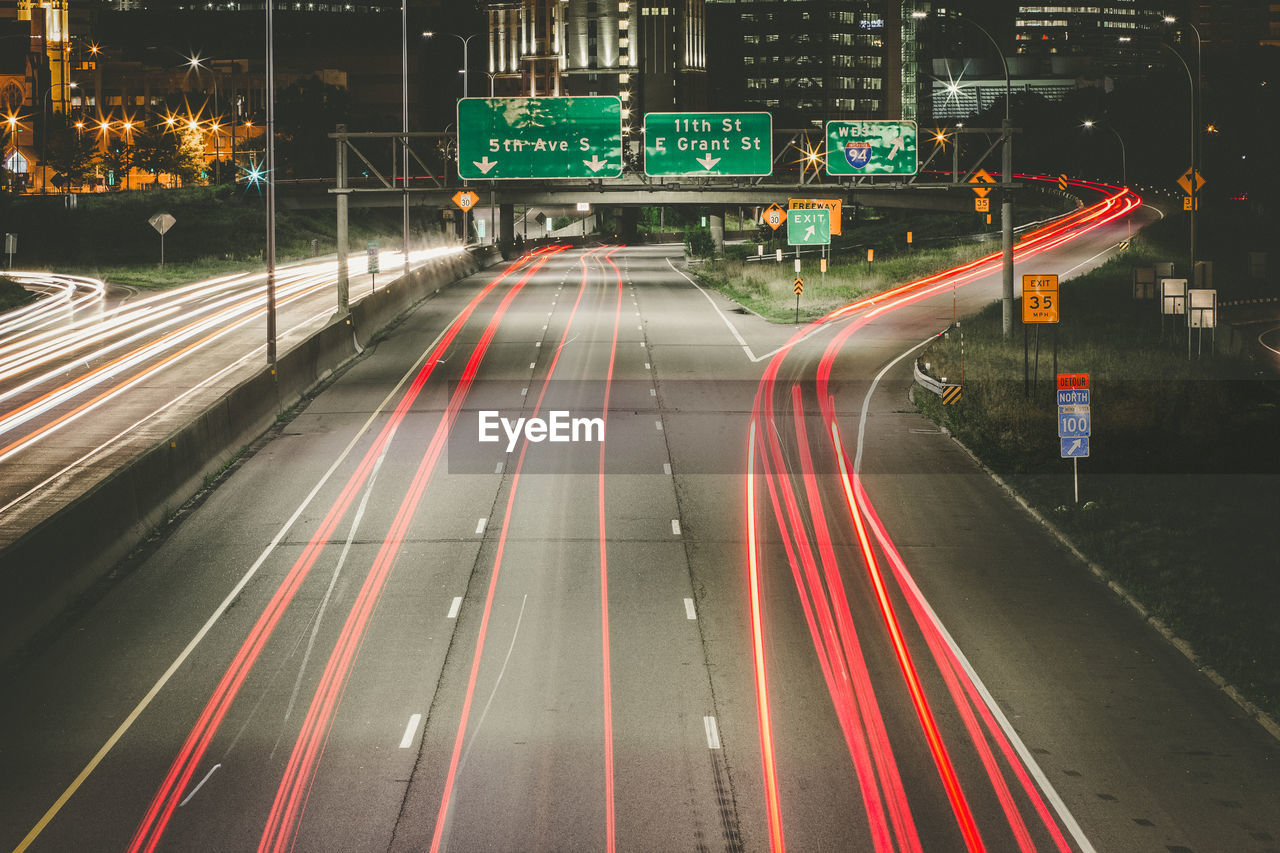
(511, 138)
(871, 147)
(808, 227)
(736, 144)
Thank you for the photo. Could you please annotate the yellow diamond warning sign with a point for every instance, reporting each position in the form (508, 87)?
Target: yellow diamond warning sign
(465, 199)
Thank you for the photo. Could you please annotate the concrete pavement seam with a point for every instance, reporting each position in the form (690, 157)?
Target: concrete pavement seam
(1260, 716)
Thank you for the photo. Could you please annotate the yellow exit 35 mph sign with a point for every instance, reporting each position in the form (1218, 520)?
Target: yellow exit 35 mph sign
(1039, 299)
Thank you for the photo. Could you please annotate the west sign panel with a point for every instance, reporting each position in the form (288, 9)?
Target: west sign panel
(729, 144)
(871, 147)
(512, 138)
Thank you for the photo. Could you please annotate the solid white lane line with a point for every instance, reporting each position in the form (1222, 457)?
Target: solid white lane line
(409, 731)
(454, 607)
(188, 797)
(666, 468)
(675, 526)
(713, 733)
(689, 610)
(480, 525)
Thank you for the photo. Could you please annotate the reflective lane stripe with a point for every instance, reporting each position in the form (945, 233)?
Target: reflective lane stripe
(409, 731)
(713, 733)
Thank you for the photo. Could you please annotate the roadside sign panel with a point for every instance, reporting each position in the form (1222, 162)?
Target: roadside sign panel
(1075, 448)
(162, 222)
(808, 227)
(982, 205)
(1073, 381)
(513, 138)
(1173, 296)
(1072, 424)
(1039, 299)
(951, 394)
(1185, 181)
(982, 180)
(799, 286)
(1073, 397)
(873, 147)
(831, 204)
(733, 144)
(465, 199)
(371, 249)
(1202, 308)
(774, 216)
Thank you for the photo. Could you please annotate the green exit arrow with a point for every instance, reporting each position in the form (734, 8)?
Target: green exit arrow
(727, 144)
(513, 138)
(808, 227)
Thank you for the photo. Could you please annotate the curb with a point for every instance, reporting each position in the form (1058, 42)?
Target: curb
(1257, 714)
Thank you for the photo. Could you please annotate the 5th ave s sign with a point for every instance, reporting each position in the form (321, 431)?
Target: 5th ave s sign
(513, 138)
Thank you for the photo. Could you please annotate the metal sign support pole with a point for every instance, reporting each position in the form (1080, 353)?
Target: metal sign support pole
(1075, 475)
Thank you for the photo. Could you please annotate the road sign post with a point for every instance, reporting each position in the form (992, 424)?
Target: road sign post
(725, 144)
(512, 138)
(162, 222)
(872, 147)
(1039, 305)
(1074, 421)
(799, 289)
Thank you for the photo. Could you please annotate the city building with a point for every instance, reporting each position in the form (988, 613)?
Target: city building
(811, 61)
(650, 53)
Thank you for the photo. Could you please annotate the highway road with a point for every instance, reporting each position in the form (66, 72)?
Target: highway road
(90, 375)
(773, 608)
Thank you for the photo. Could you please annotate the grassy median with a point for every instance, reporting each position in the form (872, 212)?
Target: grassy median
(1178, 497)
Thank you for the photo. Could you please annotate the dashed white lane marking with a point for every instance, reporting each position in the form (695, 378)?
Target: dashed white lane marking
(657, 425)
(410, 730)
(666, 468)
(647, 367)
(544, 327)
(480, 525)
(689, 609)
(537, 343)
(524, 391)
(653, 392)
(641, 328)
(675, 526)
(532, 365)
(454, 607)
(642, 343)
(498, 469)
(713, 733)
(194, 790)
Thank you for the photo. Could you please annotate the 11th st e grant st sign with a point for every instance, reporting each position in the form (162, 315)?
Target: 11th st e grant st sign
(514, 138)
(722, 144)
(872, 147)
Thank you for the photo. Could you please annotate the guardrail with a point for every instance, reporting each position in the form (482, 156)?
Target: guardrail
(926, 381)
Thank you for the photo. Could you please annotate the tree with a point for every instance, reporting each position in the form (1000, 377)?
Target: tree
(118, 159)
(306, 113)
(173, 152)
(69, 152)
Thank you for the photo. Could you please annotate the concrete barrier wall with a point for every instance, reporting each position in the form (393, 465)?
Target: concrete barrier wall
(55, 563)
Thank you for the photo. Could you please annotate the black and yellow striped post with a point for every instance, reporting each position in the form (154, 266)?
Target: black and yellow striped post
(951, 394)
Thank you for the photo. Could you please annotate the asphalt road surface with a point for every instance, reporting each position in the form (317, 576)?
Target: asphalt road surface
(773, 608)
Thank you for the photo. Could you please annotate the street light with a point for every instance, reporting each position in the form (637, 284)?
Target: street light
(1090, 124)
(196, 63)
(466, 92)
(1194, 83)
(1006, 198)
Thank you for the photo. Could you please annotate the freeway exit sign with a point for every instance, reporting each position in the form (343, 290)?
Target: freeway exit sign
(732, 144)
(871, 147)
(808, 228)
(511, 138)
